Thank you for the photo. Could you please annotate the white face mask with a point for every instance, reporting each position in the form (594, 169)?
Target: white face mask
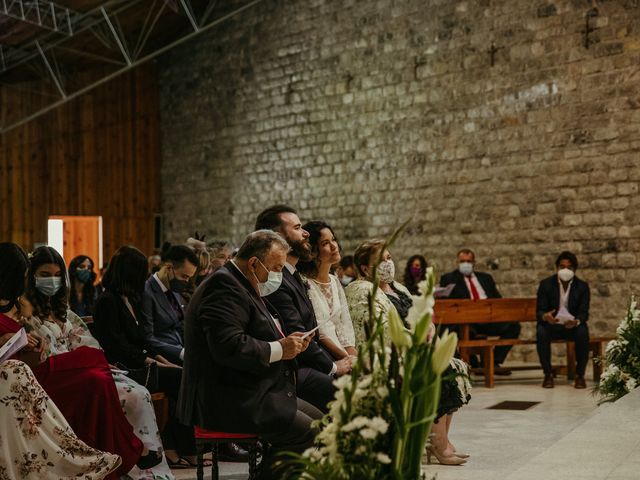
(271, 285)
(48, 286)
(346, 280)
(386, 271)
(465, 268)
(565, 274)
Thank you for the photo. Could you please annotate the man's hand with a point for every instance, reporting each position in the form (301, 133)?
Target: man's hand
(549, 317)
(293, 345)
(570, 324)
(344, 366)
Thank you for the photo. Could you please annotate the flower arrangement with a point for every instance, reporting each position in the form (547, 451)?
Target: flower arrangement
(622, 357)
(381, 417)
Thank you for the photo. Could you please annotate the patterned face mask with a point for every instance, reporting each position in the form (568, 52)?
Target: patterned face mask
(386, 271)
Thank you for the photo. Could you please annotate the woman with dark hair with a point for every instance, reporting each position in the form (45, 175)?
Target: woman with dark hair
(326, 293)
(37, 442)
(82, 292)
(119, 322)
(414, 273)
(65, 332)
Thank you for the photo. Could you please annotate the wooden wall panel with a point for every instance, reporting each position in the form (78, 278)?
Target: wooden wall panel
(96, 155)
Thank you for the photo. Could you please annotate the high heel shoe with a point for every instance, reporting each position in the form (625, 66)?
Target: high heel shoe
(444, 460)
(149, 460)
(457, 453)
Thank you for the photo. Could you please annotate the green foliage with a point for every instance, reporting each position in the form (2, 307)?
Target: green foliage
(622, 358)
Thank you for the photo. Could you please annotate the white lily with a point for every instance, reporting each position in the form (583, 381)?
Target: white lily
(445, 347)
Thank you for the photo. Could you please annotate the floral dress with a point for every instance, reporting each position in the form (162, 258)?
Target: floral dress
(36, 442)
(134, 398)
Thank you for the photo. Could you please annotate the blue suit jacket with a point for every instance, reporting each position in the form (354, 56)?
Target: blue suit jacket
(163, 330)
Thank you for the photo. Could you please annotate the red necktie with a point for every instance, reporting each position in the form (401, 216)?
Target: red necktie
(474, 290)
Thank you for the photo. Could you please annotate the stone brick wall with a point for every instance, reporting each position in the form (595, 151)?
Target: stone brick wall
(489, 124)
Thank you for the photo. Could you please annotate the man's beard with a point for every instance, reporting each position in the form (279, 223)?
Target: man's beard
(300, 249)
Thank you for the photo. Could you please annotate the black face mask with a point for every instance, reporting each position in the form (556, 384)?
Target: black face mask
(178, 286)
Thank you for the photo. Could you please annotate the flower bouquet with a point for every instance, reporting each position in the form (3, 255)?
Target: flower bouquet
(381, 417)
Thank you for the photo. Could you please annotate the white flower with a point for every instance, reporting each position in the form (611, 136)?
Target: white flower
(383, 458)
(445, 347)
(399, 335)
(355, 424)
(361, 450)
(630, 384)
(368, 433)
(342, 382)
(382, 391)
(379, 424)
(365, 382)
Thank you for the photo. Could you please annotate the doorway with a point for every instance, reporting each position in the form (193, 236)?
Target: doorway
(73, 235)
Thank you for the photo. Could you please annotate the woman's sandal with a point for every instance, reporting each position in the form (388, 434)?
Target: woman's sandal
(205, 462)
(179, 464)
(149, 460)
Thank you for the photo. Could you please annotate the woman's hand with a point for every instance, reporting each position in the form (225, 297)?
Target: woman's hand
(163, 362)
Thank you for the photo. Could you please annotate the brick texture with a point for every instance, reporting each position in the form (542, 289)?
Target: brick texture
(489, 124)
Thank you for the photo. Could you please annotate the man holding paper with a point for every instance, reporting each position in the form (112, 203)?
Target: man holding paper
(562, 309)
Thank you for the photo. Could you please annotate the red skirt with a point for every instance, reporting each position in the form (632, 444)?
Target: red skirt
(80, 384)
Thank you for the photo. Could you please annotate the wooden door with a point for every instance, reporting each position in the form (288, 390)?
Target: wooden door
(82, 235)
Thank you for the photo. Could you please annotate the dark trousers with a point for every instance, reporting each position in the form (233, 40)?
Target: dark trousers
(503, 330)
(296, 438)
(546, 332)
(175, 436)
(315, 388)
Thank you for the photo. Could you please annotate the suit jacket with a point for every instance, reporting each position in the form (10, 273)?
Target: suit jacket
(548, 298)
(228, 383)
(461, 290)
(293, 304)
(119, 333)
(163, 330)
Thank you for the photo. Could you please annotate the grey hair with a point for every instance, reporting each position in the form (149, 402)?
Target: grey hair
(259, 244)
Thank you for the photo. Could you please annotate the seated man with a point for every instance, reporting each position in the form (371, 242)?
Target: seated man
(291, 300)
(562, 309)
(478, 286)
(163, 305)
(239, 368)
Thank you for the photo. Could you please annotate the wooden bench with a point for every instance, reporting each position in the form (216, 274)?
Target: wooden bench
(465, 313)
(485, 348)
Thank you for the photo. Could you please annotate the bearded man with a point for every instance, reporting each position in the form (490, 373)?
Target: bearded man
(316, 368)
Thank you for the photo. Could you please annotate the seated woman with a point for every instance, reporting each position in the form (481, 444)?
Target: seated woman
(79, 382)
(326, 293)
(37, 442)
(391, 295)
(82, 291)
(414, 273)
(45, 310)
(118, 322)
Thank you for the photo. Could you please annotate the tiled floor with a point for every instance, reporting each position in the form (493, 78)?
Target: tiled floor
(550, 440)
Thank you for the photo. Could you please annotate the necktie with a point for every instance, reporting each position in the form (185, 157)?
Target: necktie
(298, 277)
(474, 291)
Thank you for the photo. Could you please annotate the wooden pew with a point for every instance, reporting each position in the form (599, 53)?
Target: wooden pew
(496, 310)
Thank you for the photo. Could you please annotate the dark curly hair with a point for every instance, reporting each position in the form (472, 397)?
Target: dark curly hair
(408, 280)
(314, 228)
(44, 306)
(88, 289)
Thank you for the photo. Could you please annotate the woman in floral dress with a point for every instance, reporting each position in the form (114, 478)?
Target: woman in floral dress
(64, 331)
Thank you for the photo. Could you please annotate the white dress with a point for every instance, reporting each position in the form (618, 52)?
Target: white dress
(36, 442)
(332, 312)
(134, 398)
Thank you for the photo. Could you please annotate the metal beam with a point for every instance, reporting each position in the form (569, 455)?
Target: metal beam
(43, 13)
(133, 64)
(53, 75)
(125, 54)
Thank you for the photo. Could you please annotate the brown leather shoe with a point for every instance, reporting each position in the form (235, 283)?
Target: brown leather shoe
(548, 381)
(579, 382)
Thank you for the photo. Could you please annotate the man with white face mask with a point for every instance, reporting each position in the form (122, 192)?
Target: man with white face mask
(239, 371)
(478, 286)
(291, 300)
(562, 309)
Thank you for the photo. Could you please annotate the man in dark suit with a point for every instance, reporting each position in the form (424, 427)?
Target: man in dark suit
(163, 305)
(562, 309)
(239, 367)
(291, 300)
(477, 286)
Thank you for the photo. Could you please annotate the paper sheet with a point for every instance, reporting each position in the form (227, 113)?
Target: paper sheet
(15, 343)
(444, 292)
